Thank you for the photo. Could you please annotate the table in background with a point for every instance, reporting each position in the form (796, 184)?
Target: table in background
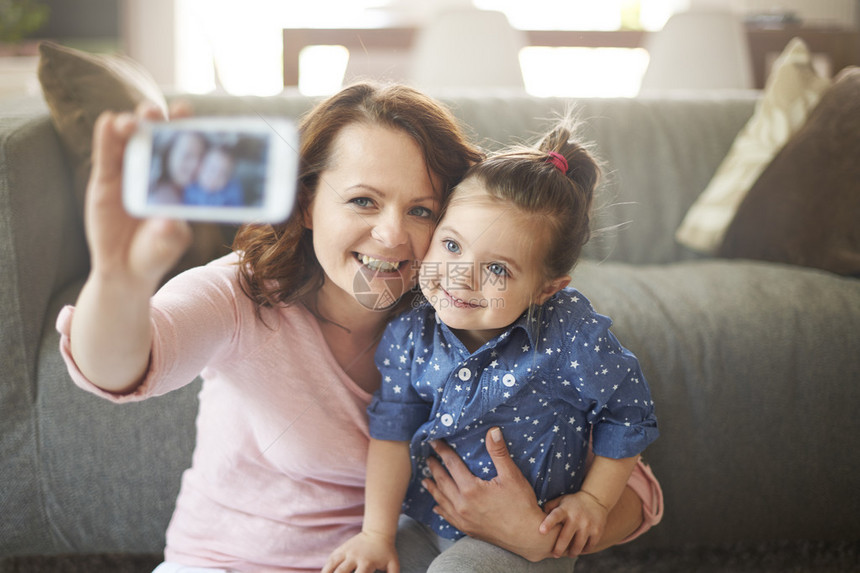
(841, 46)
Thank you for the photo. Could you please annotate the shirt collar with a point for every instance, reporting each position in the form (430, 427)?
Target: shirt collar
(529, 325)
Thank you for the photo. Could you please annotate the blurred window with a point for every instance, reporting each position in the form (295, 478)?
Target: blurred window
(240, 51)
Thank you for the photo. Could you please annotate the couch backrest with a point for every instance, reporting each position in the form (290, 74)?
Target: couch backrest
(659, 154)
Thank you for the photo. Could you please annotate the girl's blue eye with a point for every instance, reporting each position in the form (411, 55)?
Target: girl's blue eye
(422, 212)
(361, 202)
(451, 246)
(497, 269)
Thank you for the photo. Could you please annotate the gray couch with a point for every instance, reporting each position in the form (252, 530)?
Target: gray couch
(755, 367)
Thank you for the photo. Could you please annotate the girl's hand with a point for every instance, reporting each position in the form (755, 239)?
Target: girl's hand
(503, 511)
(365, 553)
(583, 520)
(138, 251)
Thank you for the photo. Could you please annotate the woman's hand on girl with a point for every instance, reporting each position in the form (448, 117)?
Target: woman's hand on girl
(503, 511)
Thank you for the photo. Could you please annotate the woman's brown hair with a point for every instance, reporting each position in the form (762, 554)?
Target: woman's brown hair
(278, 264)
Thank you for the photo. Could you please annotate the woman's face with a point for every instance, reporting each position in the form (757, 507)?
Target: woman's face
(373, 215)
(184, 158)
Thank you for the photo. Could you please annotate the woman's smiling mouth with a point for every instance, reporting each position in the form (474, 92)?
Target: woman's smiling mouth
(378, 265)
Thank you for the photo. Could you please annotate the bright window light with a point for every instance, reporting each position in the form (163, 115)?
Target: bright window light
(322, 69)
(240, 51)
(583, 71)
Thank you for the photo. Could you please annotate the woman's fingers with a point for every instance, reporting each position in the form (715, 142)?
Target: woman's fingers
(110, 135)
(454, 472)
(149, 111)
(498, 450)
(180, 108)
(439, 486)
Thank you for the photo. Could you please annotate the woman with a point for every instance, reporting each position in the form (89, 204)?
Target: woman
(283, 334)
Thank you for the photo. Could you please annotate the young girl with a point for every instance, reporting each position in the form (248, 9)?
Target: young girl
(501, 342)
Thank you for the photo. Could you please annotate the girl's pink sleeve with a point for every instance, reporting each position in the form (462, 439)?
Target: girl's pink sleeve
(646, 486)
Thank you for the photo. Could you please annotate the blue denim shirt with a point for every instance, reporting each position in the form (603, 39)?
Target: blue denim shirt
(549, 383)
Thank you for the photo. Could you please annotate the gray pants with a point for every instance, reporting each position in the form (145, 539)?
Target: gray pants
(422, 550)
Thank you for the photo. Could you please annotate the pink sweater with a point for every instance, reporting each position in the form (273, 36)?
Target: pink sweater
(277, 477)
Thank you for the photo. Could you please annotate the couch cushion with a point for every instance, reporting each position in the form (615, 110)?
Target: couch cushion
(805, 207)
(752, 368)
(128, 458)
(793, 89)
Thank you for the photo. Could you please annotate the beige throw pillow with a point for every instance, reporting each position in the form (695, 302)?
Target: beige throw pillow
(78, 86)
(793, 89)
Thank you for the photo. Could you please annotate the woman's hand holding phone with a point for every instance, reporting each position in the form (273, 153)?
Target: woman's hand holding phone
(123, 247)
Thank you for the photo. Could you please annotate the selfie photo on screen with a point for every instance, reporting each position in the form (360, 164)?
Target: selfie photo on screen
(216, 169)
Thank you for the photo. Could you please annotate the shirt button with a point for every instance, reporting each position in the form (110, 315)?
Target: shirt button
(464, 374)
(447, 419)
(509, 380)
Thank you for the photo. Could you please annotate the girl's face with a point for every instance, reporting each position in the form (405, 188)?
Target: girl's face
(484, 265)
(372, 215)
(216, 170)
(184, 158)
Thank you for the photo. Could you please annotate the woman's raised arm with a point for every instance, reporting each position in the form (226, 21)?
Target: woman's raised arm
(110, 331)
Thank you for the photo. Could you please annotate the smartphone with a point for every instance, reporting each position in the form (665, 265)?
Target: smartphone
(221, 169)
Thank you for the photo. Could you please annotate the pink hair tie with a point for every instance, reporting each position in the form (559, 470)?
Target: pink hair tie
(558, 160)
